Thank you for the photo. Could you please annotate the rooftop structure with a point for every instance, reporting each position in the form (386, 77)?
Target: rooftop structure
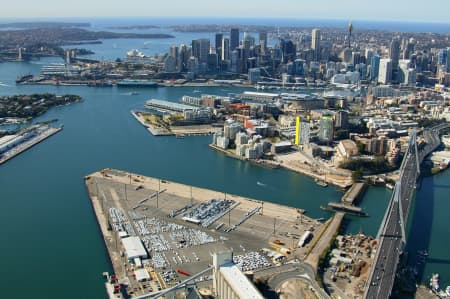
(229, 281)
(133, 248)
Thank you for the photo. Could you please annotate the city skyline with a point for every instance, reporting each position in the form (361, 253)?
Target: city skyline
(384, 10)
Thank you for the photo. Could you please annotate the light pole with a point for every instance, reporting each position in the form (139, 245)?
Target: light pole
(157, 193)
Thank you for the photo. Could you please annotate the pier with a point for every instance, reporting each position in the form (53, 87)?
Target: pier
(38, 134)
(353, 195)
(339, 207)
(181, 225)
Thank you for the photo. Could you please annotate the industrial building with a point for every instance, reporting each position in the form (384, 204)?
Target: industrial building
(134, 248)
(168, 106)
(229, 282)
(259, 96)
(281, 147)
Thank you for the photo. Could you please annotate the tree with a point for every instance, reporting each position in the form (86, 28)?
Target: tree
(361, 147)
(357, 175)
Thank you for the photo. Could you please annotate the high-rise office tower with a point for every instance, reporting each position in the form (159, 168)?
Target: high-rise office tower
(350, 30)
(394, 53)
(442, 57)
(315, 43)
(234, 39)
(385, 71)
(263, 41)
(200, 49)
(326, 129)
(356, 58)
(218, 44)
(374, 67)
(183, 57)
(225, 48)
(448, 59)
(173, 52)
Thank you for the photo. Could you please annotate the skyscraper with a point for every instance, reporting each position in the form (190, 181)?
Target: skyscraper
(315, 43)
(183, 58)
(263, 41)
(448, 59)
(225, 48)
(374, 67)
(200, 49)
(385, 71)
(218, 44)
(394, 53)
(326, 129)
(173, 52)
(350, 30)
(442, 57)
(234, 39)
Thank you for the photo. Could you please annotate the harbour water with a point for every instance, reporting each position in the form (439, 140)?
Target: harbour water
(51, 242)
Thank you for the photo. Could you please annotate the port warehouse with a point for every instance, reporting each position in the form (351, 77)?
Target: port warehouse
(170, 106)
(10, 141)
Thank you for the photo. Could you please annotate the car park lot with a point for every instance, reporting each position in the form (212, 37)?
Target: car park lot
(167, 225)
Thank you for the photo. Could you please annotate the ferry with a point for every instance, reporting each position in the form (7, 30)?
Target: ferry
(24, 78)
(321, 183)
(423, 252)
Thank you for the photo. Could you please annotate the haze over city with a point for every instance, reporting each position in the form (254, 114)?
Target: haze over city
(401, 10)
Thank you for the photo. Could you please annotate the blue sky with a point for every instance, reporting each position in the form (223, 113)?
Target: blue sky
(401, 10)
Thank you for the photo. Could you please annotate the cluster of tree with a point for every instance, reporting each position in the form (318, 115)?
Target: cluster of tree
(427, 122)
(372, 166)
(25, 106)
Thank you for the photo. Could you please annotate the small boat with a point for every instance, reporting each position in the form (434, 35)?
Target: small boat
(321, 183)
(134, 93)
(423, 252)
(390, 186)
(180, 136)
(434, 282)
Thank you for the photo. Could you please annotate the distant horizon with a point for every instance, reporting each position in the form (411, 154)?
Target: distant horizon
(430, 11)
(222, 17)
(164, 22)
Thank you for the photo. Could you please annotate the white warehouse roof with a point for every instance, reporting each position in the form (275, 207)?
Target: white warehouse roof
(142, 275)
(239, 282)
(134, 247)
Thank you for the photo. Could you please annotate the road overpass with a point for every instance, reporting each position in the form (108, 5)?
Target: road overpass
(391, 235)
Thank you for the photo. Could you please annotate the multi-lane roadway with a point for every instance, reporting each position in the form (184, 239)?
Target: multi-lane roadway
(392, 235)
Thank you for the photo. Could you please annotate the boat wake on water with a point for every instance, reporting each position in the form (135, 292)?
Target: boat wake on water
(3, 84)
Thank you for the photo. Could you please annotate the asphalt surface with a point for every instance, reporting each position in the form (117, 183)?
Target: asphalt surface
(382, 277)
